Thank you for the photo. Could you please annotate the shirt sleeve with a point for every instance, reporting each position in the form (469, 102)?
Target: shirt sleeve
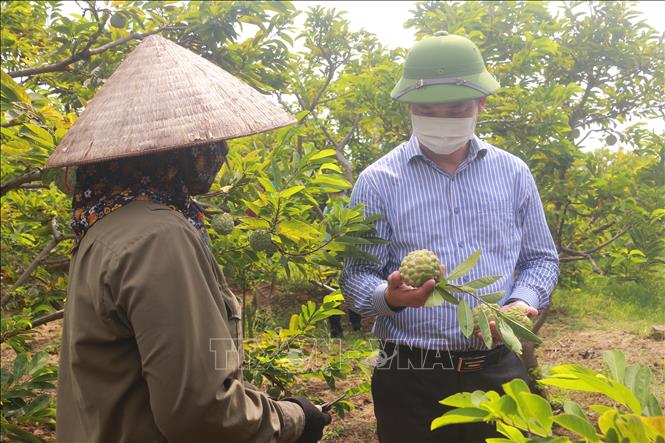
(363, 283)
(538, 261)
(168, 290)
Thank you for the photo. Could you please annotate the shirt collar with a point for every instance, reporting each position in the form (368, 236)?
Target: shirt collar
(477, 149)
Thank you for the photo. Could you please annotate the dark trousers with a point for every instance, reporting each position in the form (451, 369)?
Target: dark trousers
(335, 323)
(408, 386)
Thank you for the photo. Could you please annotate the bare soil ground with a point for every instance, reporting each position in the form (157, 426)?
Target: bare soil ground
(564, 342)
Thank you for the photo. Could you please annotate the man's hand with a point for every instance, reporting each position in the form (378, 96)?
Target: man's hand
(399, 295)
(530, 311)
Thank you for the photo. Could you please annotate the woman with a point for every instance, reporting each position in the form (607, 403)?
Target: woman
(151, 337)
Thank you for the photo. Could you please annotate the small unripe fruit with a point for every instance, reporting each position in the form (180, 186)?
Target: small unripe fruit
(514, 313)
(222, 224)
(260, 240)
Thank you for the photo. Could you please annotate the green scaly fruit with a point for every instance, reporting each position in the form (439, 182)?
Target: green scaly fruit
(419, 266)
(223, 223)
(518, 316)
(260, 240)
(489, 313)
(514, 313)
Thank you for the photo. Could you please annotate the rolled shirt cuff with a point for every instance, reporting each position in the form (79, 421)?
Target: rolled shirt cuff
(293, 422)
(379, 301)
(526, 294)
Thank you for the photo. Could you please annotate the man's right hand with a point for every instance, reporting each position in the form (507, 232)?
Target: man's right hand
(399, 295)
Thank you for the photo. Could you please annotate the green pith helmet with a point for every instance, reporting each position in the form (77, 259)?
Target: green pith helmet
(444, 69)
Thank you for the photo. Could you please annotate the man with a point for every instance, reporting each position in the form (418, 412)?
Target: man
(152, 344)
(448, 191)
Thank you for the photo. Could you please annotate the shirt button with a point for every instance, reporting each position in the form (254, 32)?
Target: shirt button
(456, 210)
(460, 244)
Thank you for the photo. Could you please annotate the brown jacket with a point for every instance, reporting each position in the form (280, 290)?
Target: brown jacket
(151, 338)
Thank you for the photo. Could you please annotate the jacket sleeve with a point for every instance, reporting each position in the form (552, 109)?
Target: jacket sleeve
(538, 261)
(166, 287)
(363, 282)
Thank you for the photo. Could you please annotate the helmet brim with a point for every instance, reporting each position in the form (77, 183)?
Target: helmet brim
(444, 93)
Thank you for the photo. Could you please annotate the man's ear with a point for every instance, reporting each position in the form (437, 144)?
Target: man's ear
(481, 104)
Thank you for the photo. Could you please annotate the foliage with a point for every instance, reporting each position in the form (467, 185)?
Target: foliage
(280, 359)
(635, 415)
(575, 80)
(22, 395)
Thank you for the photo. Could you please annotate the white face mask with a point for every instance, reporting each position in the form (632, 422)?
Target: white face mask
(443, 135)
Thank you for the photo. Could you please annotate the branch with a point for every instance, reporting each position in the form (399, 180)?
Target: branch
(48, 318)
(86, 53)
(579, 110)
(14, 183)
(339, 146)
(586, 255)
(561, 222)
(322, 285)
(50, 247)
(40, 321)
(34, 186)
(317, 97)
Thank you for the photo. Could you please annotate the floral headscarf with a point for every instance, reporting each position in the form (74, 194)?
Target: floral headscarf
(168, 178)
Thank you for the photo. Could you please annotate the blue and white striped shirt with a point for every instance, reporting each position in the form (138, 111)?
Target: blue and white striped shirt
(490, 203)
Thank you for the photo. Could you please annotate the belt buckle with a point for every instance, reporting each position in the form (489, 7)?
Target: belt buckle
(470, 364)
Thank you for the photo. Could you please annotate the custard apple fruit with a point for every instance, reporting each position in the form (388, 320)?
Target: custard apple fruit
(260, 240)
(518, 316)
(514, 313)
(419, 266)
(222, 224)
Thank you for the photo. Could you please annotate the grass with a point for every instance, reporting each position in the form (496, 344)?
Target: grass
(605, 303)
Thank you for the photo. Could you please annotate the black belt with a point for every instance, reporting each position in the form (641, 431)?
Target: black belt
(408, 357)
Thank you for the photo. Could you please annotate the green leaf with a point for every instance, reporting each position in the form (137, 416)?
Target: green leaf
(578, 425)
(330, 166)
(438, 296)
(10, 90)
(583, 379)
(267, 184)
(508, 336)
(338, 183)
(483, 281)
(513, 434)
(571, 407)
(323, 154)
(616, 362)
(485, 330)
(463, 268)
(458, 400)
(20, 367)
(514, 387)
(537, 410)
(459, 415)
(653, 407)
(296, 230)
(41, 135)
(465, 318)
(638, 380)
(291, 191)
(493, 297)
(521, 331)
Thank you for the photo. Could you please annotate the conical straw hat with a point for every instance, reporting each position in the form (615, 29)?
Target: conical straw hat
(163, 97)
